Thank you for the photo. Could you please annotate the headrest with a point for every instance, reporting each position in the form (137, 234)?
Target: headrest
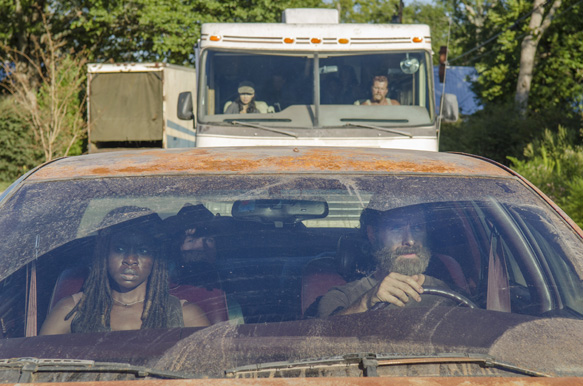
(353, 257)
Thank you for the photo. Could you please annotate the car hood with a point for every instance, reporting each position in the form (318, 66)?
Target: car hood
(547, 345)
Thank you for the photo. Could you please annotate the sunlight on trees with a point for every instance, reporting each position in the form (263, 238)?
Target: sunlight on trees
(46, 94)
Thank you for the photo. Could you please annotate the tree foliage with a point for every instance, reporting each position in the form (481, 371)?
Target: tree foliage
(554, 163)
(367, 11)
(18, 153)
(436, 16)
(495, 50)
(157, 30)
(499, 131)
(45, 89)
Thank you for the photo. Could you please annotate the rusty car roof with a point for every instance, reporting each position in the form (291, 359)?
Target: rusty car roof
(266, 160)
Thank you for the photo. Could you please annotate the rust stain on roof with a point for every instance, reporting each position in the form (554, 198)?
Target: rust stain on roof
(267, 160)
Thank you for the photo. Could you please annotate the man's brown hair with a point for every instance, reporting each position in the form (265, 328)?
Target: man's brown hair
(380, 78)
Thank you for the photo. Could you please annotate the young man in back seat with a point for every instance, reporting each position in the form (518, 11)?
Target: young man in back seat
(193, 245)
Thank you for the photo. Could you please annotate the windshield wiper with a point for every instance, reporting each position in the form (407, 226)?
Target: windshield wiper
(392, 131)
(370, 362)
(29, 366)
(258, 126)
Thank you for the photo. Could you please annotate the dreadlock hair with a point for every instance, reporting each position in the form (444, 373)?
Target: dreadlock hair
(92, 313)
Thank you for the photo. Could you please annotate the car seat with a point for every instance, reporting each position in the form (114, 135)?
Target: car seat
(212, 302)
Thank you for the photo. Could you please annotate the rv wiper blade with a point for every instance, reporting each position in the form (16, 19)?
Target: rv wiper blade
(29, 366)
(370, 362)
(392, 131)
(258, 126)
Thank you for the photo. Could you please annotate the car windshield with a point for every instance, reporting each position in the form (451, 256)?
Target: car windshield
(283, 89)
(259, 252)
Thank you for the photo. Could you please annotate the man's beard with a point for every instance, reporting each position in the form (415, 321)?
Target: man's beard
(389, 261)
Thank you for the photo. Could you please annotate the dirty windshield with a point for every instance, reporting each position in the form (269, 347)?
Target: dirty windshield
(243, 256)
(323, 89)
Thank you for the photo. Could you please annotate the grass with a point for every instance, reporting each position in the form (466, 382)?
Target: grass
(4, 185)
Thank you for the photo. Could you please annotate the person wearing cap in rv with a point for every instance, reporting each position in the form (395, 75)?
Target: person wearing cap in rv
(401, 254)
(245, 102)
(127, 287)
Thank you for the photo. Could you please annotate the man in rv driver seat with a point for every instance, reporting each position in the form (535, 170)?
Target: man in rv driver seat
(399, 242)
(379, 91)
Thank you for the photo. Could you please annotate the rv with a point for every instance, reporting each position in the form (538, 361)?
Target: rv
(313, 81)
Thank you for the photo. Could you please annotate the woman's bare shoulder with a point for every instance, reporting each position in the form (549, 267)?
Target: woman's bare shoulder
(55, 322)
(194, 316)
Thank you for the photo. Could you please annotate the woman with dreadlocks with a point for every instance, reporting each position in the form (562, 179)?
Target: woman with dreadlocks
(127, 288)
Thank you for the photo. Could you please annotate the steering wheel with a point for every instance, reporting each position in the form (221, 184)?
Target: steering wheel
(443, 292)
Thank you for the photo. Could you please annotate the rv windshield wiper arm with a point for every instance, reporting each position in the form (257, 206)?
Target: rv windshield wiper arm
(369, 363)
(392, 131)
(29, 366)
(257, 126)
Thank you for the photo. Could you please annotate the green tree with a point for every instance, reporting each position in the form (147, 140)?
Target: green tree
(157, 30)
(436, 16)
(367, 11)
(540, 21)
(18, 153)
(499, 131)
(496, 49)
(51, 107)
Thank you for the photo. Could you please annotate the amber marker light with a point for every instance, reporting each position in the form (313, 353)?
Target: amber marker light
(215, 38)
(417, 40)
(343, 41)
(288, 40)
(315, 41)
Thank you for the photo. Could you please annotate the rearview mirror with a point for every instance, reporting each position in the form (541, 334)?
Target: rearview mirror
(279, 211)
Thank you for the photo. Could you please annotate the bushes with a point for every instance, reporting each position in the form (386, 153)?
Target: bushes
(554, 164)
(546, 149)
(498, 131)
(18, 153)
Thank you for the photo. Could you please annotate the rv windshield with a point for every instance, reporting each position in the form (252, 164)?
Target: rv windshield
(306, 90)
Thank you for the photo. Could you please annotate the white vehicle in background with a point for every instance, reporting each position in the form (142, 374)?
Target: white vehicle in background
(133, 105)
(309, 79)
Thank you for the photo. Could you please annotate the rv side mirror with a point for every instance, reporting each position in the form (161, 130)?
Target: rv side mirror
(451, 112)
(185, 109)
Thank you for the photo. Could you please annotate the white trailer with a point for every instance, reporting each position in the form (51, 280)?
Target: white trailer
(312, 77)
(134, 105)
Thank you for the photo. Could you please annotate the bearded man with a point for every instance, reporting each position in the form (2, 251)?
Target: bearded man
(399, 242)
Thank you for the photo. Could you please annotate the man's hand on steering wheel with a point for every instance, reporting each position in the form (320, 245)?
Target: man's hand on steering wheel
(396, 289)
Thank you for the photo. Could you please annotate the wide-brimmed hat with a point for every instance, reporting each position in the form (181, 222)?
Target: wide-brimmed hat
(246, 87)
(194, 216)
(134, 218)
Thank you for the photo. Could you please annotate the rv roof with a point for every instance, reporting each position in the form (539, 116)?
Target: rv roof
(316, 37)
